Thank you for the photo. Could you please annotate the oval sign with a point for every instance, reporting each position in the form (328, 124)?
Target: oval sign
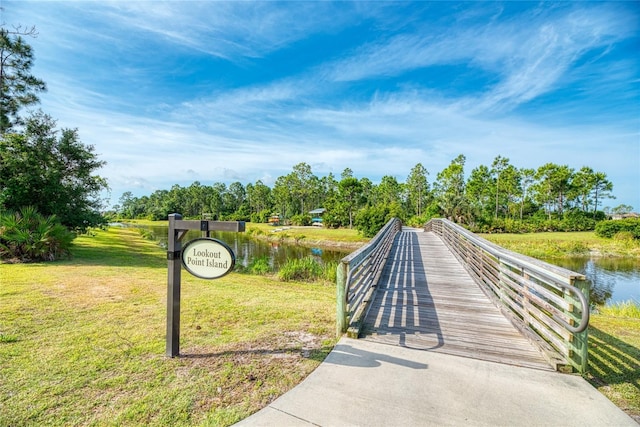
(208, 258)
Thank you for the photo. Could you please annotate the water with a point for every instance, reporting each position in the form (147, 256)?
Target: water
(611, 280)
(247, 248)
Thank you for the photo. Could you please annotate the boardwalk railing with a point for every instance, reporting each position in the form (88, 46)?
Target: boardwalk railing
(539, 298)
(358, 274)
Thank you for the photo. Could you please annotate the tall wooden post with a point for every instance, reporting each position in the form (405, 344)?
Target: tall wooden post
(174, 247)
(341, 296)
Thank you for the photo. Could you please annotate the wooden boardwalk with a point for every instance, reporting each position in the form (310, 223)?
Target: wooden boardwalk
(426, 300)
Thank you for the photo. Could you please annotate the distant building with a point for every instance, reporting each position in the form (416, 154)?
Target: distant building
(316, 216)
(625, 215)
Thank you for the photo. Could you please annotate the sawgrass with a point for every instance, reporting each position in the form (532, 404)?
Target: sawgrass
(82, 342)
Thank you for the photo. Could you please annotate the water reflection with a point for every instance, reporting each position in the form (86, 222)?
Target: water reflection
(610, 280)
(248, 249)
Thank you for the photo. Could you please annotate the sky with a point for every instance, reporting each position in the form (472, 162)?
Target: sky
(182, 91)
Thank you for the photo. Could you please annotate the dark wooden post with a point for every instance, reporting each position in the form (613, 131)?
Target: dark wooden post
(174, 247)
(177, 230)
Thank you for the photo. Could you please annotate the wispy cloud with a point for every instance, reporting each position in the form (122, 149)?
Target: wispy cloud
(376, 87)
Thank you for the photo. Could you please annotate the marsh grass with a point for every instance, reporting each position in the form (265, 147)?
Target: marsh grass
(83, 340)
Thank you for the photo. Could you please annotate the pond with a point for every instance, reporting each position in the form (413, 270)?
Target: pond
(611, 280)
(248, 249)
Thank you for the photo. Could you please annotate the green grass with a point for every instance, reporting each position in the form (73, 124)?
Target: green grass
(614, 360)
(558, 244)
(628, 309)
(82, 341)
(308, 236)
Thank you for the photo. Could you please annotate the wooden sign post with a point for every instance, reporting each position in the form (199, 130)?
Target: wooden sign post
(177, 230)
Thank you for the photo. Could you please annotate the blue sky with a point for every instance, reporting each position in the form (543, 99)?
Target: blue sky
(179, 91)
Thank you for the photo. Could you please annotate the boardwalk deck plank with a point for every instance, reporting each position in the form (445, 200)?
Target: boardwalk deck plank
(426, 300)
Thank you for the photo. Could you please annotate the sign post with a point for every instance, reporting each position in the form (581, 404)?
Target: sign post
(205, 258)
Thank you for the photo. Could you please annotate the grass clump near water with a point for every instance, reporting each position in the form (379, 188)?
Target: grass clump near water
(308, 270)
(82, 341)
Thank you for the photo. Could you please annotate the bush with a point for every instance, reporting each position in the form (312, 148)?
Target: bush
(28, 236)
(370, 220)
(301, 220)
(612, 227)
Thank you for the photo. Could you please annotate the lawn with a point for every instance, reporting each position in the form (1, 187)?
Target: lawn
(82, 341)
(614, 360)
(559, 244)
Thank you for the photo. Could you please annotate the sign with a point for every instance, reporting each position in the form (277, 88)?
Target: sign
(208, 258)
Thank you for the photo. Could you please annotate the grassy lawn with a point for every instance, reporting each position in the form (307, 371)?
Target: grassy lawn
(614, 360)
(82, 341)
(558, 244)
(309, 236)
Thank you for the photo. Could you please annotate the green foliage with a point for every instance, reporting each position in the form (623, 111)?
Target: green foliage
(304, 269)
(29, 236)
(499, 198)
(18, 88)
(612, 227)
(261, 217)
(260, 266)
(52, 171)
(371, 219)
(301, 220)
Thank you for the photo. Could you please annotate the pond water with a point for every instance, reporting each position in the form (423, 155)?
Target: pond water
(247, 248)
(611, 280)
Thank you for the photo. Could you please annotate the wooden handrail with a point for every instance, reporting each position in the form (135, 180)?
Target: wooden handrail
(539, 298)
(357, 277)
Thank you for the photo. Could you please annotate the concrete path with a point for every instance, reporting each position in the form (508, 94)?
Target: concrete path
(365, 383)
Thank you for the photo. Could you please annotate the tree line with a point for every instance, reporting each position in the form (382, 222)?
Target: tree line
(496, 197)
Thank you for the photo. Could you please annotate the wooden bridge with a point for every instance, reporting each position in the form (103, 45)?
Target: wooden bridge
(445, 289)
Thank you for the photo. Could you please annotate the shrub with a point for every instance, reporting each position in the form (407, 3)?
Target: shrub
(370, 220)
(301, 220)
(612, 227)
(29, 236)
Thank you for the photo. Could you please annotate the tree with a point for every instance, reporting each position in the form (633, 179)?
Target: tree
(18, 88)
(601, 189)
(418, 189)
(554, 183)
(350, 191)
(450, 190)
(52, 171)
(499, 164)
(479, 189)
(527, 178)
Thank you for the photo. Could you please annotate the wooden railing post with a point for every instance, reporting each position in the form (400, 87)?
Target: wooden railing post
(341, 298)
(578, 345)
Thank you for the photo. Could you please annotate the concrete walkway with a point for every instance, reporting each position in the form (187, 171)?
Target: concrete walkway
(364, 383)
